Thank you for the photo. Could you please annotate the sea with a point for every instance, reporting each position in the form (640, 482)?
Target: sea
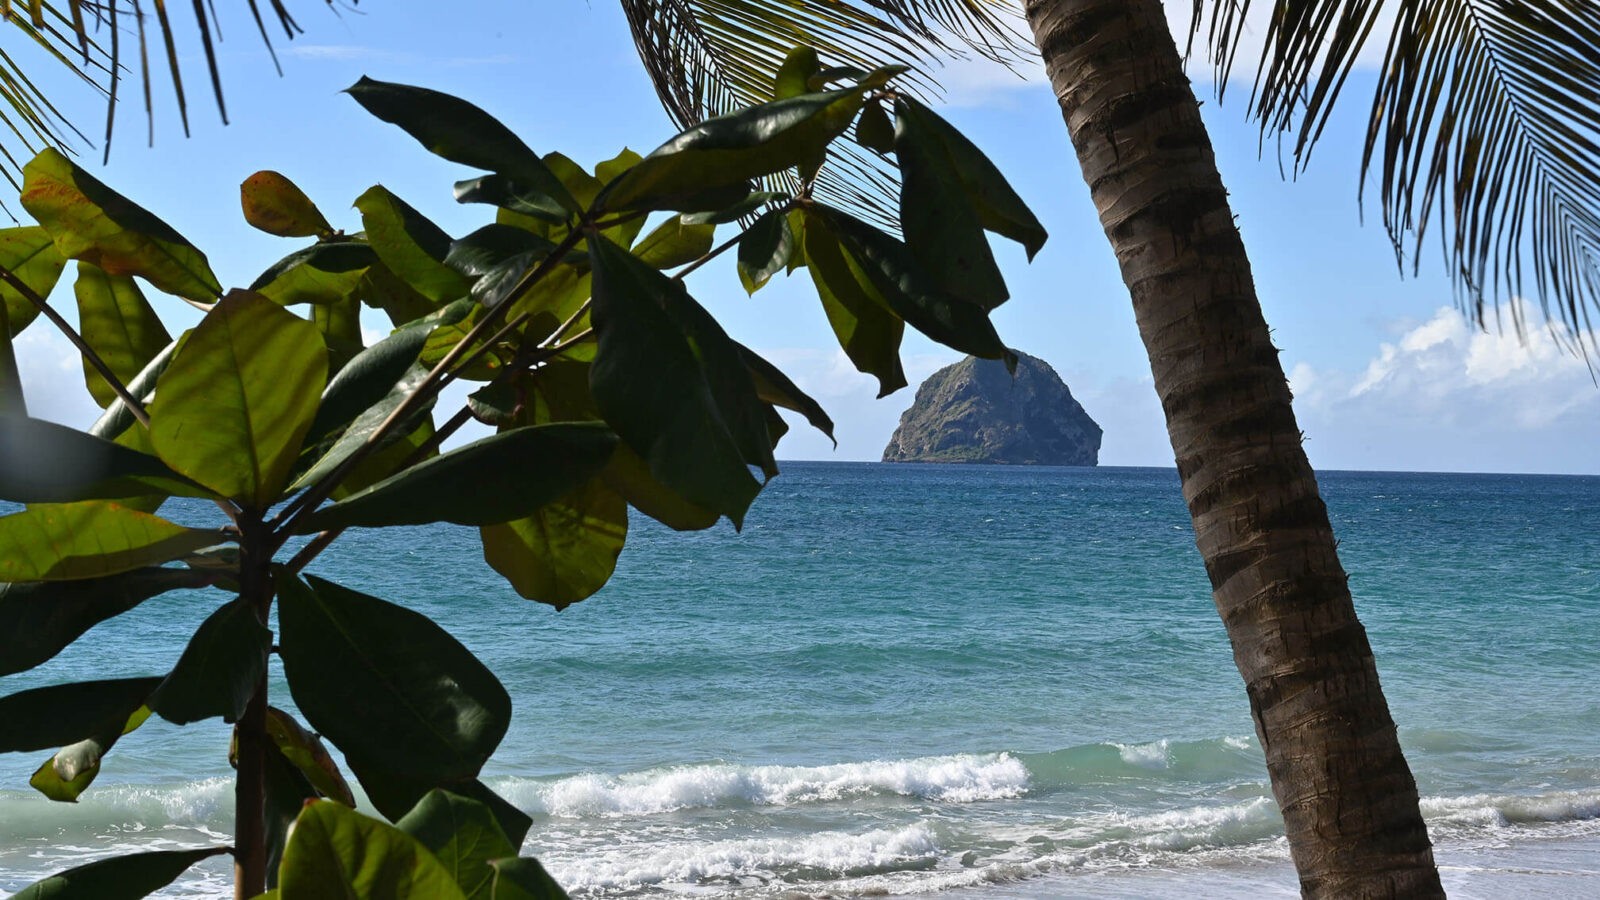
(948, 681)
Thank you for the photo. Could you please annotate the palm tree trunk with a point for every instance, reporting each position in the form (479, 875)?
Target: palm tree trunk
(1348, 799)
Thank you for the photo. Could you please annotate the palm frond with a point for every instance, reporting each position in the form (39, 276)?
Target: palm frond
(709, 57)
(1485, 125)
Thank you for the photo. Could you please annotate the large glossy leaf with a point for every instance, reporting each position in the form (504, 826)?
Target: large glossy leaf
(323, 273)
(232, 409)
(386, 684)
(656, 387)
(119, 324)
(31, 255)
(219, 671)
(492, 480)
(339, 323)
(306, 752)
(336, 853)
(774, 387)
(91, 222)
(765, 249)
(629, 475)
(896, 277)
(729, 151)
(997, 205)
(566, 550)
(58, 715)
(40, 619)
(463, 133)
(867, 329)
(117, 418)
(497, 257)
(71, 541)
(67, 774)
(675, 243)
(410, 245)
(524, 878)
(277, 206)
(12, 402)
(367, 424)
(395, 795)
(366, 380)
(42, 462)
(463, 835)
(119, 878)
(285, 796)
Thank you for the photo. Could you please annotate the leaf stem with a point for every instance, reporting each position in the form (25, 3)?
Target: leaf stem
(721, 248)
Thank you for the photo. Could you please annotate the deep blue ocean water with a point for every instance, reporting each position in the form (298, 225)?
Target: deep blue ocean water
(917, 679)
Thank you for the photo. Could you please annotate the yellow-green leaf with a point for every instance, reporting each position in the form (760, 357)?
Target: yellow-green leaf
(233, 408)
(277, 206)
(119, 325)
(70, 541)
(336, 853)
(91, 222)
(32, 256)
(566, 550)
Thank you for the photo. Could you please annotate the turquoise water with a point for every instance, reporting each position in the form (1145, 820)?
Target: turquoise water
(994, 681)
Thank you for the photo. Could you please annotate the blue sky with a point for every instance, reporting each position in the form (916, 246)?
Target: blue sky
(1387, 374)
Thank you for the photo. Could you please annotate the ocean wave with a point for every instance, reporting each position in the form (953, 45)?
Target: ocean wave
(963, 778)
(814, 857)
(1500, 810)
(205, 807)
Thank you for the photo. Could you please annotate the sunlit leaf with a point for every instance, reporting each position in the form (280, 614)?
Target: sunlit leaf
(335, 852)
(675, 243)
(524, 878)
(67, 774)
(71, 541)
(867, 329)
(566, 550)
(277, 206)
(463, 835)
(31, 255)
(119, 878)
(118, 323)
(232, 409)
(410, 245)
(91, 222)
(58, 715)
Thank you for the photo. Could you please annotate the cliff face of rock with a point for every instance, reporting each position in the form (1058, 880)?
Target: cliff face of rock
(974, 412)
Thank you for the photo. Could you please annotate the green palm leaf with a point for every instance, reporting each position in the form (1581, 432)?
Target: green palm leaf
(1485, 126)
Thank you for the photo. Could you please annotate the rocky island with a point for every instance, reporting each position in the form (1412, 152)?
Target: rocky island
(975, 412)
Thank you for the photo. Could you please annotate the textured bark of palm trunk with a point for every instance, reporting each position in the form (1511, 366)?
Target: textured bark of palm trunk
(250, 788)
(1348, 798)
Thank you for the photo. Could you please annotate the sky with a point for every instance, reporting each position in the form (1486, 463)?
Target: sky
(1387, 374)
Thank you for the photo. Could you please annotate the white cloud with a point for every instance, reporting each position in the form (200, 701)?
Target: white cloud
(52, 377)
(1446, 395)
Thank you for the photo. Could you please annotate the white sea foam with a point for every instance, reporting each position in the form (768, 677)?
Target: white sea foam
(962, 778)
(1496, 810)
(835, 854)
(1154, 755)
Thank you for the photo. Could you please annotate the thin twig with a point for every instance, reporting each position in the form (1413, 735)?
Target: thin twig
(121, 390)
(719, 250)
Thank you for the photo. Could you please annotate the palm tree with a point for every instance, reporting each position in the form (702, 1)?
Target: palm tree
(1485, 125)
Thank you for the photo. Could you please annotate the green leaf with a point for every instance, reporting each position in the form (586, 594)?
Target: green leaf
(66, 775)
(367, 379)
(339, 323)
(513, 196)
(325, 272)
(656, 387)
(797, 69)
(488, 481)
(72, 541)
(62, 714)
(940, 221)
(117, 418)
(119, 325)
(463, 835)
(366, 424)
(219, 671)
(897, 278)
(386, 684)
(874, 130)
(32, 256)
(118, 878)
(40, 619)
(566, 550)
(233, 408)
(497, 257)
(675, 243)
(460, 132)
(285, 795)
(306, 752)
(42, 462)
(336, 853)
(774, 387)
(394, 796)
(749, 206)
(410, 245)
(277, 206)
(998, 207)
(868, 330)
(91, 222)
(524, 878)
(764, 249)
(629, 475)
(12, 402)
(729, 151)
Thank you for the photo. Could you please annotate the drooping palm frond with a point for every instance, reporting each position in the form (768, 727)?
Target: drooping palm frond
(709, 57)
(103, 42)
(1485, 125)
